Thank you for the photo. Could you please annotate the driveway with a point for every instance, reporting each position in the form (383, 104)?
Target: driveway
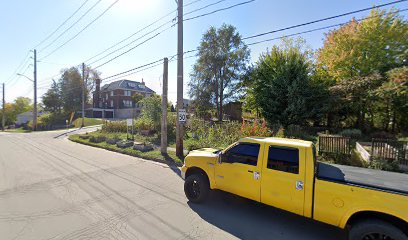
(51, 188)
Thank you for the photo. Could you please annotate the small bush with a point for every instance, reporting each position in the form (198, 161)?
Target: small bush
(385, 165)
(352, 133)
(144, 123)
(115, 127)
(97, 138)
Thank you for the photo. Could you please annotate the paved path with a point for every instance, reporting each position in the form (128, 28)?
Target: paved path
(51, 188)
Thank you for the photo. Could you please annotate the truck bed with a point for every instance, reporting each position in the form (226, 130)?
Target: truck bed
(382, 180)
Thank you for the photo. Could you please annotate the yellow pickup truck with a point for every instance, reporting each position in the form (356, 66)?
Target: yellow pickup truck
(283, 173)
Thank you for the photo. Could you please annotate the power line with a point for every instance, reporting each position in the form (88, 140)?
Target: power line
(149, 25)
(323, 19)
(133, 34)
(315, 29)
(72, 25)
(221, 9)
(157, 34)
(204, 7)
(171, 58)
(193, 2)
(134, 41)
(20, 66)
(62, 24)
(76, 35)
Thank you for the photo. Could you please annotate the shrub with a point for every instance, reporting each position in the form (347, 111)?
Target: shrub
(97, 138)
(115, 127)
(255, 129)
(351, 133)
(144, 123)
(385, 165)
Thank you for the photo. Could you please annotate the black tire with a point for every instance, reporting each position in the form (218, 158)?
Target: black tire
(375, 229)
(196, 188)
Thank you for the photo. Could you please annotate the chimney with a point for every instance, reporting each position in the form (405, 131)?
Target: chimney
(143, 82)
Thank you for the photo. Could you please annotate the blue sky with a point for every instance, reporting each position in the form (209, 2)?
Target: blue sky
(24, 24)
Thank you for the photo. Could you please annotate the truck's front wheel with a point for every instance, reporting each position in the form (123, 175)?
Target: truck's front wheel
(196, 188)
(375, 230)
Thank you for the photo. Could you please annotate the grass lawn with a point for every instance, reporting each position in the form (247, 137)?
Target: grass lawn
(18, 130)
(154, 155)
(88, 122)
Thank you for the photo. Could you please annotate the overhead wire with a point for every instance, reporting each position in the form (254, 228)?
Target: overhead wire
(72, 25)
(157, 34)
(135, 40)
(324, 19)
(62, 24)
(315, 29)
(83, 29)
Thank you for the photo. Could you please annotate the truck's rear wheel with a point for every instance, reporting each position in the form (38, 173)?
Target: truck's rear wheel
(196, 188)
(375, 230)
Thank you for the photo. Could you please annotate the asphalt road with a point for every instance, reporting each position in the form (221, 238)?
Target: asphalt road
(51, 188)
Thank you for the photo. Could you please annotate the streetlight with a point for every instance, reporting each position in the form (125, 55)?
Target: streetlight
(22, 75)
(35, 100)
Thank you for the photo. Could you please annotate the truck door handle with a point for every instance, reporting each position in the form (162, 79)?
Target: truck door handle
(250, 171)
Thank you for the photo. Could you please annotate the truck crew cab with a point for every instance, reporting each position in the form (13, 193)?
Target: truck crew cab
(284, 173)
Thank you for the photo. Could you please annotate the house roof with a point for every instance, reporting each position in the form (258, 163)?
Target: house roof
(126, 84)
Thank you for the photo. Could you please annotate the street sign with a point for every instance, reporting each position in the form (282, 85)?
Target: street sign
(182, 115)
(129, 122)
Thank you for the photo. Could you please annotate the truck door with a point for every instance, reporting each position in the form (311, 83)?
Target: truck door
(239, 170)
(283, 174)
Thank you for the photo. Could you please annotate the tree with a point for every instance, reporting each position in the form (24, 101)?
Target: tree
(151, 109)
(222, 59)
(356, 95)
(393, 95)
(52, 98)
(65, 95)
(22, 104)
(378, 43)
(283, 88)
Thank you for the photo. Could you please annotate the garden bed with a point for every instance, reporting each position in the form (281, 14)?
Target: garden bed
(154, 155)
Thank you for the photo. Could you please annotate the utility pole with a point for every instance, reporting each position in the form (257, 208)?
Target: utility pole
(83, 95)
(179, 125)
(163, 145)
(3, 119)
(35, 92)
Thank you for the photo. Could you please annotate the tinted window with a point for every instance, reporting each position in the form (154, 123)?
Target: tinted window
(283, 159)
(243, 153)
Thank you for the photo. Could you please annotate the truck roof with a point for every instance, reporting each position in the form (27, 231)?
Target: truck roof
(275, 140)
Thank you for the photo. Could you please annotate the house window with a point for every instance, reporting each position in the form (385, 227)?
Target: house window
(111, 103)
(111, 93)
(127, 103)
(128, 93)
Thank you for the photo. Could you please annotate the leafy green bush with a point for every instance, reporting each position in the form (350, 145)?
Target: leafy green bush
(385, 165)
(97, 138)
(115, 127)
(144, 123)
(351, 133)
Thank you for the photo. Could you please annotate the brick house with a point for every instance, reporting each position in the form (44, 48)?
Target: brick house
(114, 100)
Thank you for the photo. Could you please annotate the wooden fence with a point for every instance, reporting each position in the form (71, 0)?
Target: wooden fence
(334, 144)
(389, 149)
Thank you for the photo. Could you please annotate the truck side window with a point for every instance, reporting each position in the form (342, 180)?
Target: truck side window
(283, 159)
(245, 153)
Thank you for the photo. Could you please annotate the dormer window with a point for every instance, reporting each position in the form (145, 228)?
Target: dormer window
(141, 86)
